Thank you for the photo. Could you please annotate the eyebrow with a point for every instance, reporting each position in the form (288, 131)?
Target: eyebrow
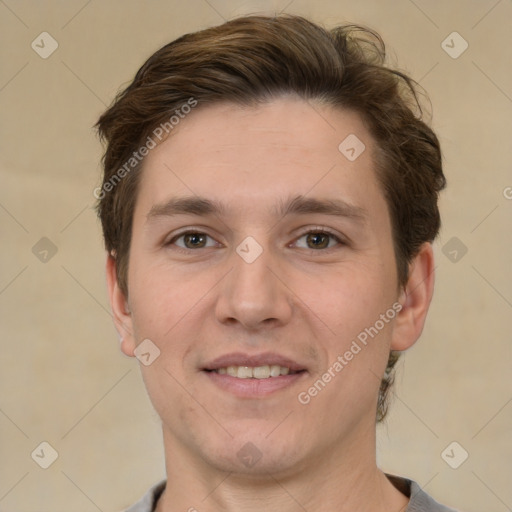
(301, 205)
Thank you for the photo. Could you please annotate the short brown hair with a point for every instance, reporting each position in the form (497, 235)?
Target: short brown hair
(254, 59)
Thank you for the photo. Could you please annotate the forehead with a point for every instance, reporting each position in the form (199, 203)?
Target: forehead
(257, 156)
(290, 126)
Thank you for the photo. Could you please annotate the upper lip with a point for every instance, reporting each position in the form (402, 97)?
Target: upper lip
(241, 359)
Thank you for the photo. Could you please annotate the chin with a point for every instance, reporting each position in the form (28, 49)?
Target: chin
(256, 454)
(261, 466)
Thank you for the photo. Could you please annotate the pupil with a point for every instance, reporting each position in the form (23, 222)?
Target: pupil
(193, 237)
(316, 236)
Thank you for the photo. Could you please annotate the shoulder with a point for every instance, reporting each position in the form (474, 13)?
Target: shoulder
(148, 502)
(419, 500)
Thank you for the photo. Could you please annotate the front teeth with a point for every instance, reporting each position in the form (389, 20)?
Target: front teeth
(259, 372)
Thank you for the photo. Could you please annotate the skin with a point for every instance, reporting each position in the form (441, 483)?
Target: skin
(298, 300)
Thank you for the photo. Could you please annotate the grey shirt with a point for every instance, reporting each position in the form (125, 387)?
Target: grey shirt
(419, 500)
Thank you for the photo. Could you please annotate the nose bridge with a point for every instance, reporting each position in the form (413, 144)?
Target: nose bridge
(252, 280)
(252, 293)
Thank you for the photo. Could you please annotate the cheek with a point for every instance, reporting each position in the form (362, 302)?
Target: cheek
(348, 301)
(159, 298)
(357, 341)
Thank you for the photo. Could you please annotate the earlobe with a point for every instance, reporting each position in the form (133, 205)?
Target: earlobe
(415, 300)
(120, 310)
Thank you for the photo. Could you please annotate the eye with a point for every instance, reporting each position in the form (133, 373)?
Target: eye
(320, 239)
(315, 239)
(191, 240)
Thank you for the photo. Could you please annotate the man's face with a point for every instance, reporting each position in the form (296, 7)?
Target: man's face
(248, 286)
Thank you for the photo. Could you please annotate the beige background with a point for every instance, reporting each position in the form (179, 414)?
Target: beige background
(63, 379)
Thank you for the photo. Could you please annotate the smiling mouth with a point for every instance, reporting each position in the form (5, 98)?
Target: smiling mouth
(255, 372)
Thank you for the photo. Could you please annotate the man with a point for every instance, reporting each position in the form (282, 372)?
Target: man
(268, 206)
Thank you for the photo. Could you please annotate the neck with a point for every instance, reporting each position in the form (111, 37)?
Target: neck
(344, 480)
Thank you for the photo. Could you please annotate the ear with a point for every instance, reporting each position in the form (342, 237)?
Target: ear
(415, 300)
(120, 310)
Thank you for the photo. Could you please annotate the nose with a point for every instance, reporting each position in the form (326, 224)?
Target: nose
(253, 294)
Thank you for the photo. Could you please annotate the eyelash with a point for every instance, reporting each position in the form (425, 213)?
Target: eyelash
(318, 230)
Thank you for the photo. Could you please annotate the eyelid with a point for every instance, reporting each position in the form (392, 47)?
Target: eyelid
(321, 229)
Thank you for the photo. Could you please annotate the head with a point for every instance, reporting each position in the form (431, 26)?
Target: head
(248, 115)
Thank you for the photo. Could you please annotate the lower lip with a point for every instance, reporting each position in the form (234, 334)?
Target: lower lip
(253, 388)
